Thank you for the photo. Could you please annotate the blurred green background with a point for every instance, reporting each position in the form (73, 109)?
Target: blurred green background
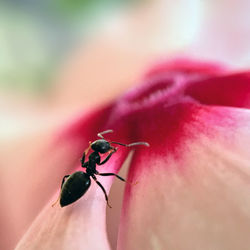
(36, 35)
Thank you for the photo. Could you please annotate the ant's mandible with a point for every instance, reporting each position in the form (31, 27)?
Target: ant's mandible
(74, 186)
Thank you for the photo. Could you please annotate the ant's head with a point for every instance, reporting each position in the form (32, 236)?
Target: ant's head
(101, 146)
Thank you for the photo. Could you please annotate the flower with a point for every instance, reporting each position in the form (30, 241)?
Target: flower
(193, 181)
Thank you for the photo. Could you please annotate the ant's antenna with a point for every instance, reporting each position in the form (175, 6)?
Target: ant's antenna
(131, 144)
(104, 132)
(122, 144)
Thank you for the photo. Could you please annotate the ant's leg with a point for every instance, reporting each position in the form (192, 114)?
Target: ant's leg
(84, 154)
(103, 189)
(104, 132)
(119, 177)
(85, 164)
(109, 174)
(83, 158)
(106, 159)
(63, 180)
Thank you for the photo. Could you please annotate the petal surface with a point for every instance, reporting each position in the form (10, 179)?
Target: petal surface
(193, 182)
(81, 225)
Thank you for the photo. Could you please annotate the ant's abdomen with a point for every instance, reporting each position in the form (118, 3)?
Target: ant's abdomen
(74, 188)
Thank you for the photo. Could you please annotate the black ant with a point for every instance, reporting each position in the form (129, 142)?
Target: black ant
(74, 186)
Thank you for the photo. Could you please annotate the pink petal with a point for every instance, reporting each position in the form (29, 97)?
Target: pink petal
(193, 182)
(81, 225)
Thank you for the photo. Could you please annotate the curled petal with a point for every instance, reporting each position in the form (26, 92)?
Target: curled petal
(226, 90)
(193, 186)
(187, 67)
(81, 225)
